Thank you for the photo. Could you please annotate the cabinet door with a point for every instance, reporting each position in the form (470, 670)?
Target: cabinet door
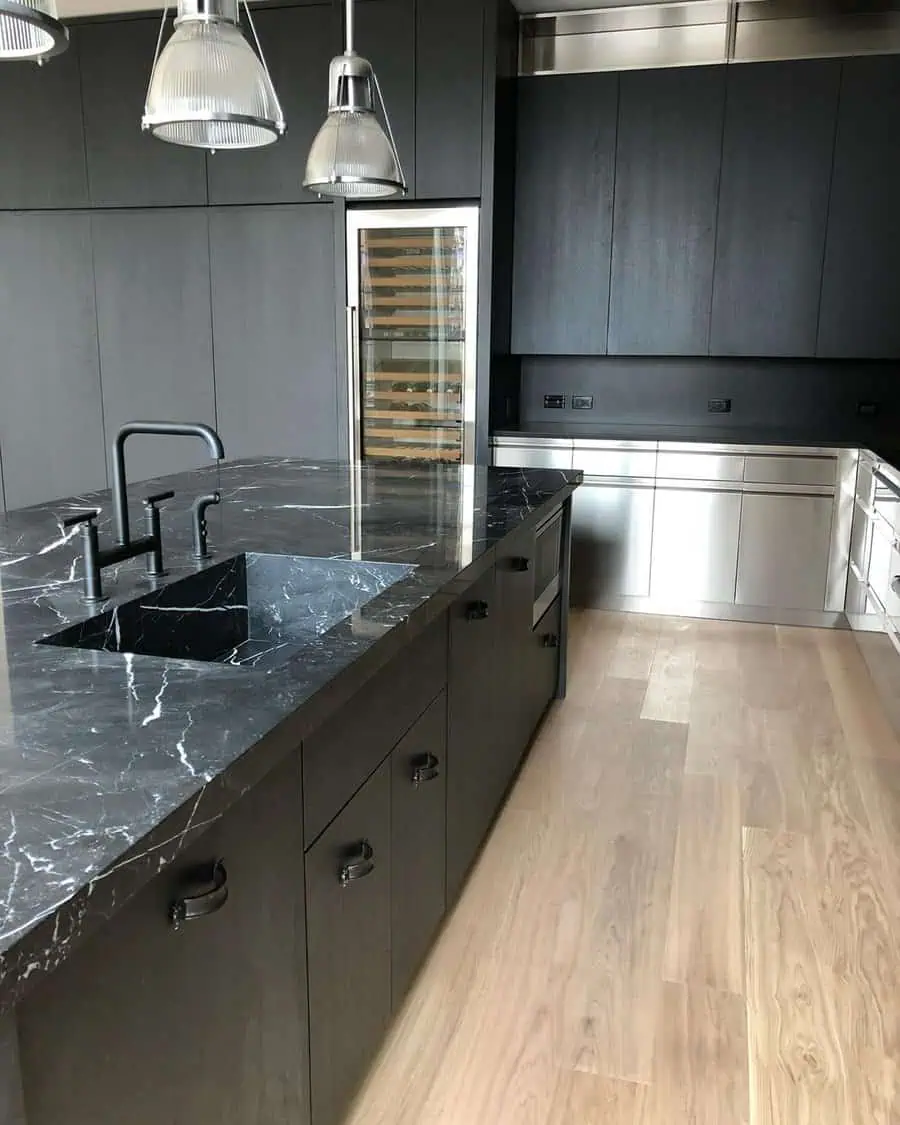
(776, 172)
(418, 843)
(42, 135)
(543, 657)
(148, 1024)
(348, 908)
(274, 330)
(51, 427)
(386, 36)
(664, 227)
(563, 226)
(298, 43)
(126, 167)
(783, 560)
(612, 536)
(695, 545)
(516, 571)
(449, 75)
(152, 276)
(473, 763)
(861, 286)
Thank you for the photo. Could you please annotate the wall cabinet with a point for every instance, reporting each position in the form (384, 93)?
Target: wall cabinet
(348, 909)
(564, 192)
(147, 1024)
(776, 175)
(418, 843)
(666, 198)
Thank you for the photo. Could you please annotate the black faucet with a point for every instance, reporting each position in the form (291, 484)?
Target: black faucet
(150, 544)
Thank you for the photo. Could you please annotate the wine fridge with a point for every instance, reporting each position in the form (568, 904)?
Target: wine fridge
(412, 289)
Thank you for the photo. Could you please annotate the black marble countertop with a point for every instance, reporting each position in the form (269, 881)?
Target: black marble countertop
(112, 764)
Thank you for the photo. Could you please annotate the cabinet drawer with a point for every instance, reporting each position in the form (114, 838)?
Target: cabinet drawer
(545, 647)
(632, 460)
(339, 757)
(533, 456)
(791, 470)
(724, 467)
(891, 593)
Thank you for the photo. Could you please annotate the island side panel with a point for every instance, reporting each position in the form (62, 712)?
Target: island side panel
(12, 1105)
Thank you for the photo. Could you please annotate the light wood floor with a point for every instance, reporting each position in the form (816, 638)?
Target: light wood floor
(689, 911)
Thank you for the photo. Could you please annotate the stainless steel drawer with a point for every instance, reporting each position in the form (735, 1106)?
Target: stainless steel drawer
(725, 467)
(891, 593)
(533, 456)
(887, 499)
(623, 460)
(791, 470)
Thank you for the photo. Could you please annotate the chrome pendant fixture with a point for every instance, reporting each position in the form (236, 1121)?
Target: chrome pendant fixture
(352, 157)
(208, 88)
(29, 29)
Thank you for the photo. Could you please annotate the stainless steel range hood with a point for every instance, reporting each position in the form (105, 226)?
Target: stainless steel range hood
(641, 34)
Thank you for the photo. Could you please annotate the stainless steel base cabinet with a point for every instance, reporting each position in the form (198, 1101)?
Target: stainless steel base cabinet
(784, 550)
(612, 535)
(348, 907)
(695, 545)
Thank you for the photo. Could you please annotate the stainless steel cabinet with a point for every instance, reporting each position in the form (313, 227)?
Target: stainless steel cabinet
(784, 551)
(533, 453)
(612, 536)
(695, 545)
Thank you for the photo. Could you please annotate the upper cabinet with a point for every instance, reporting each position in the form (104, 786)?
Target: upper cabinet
(666, 197)
(861, 287)
(449, 71)
(298, 44)
(41, 134)
(773, 210)
(564, 200)
(126, 167)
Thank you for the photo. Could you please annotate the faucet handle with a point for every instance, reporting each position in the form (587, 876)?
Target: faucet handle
(81, 517)
(152, 501)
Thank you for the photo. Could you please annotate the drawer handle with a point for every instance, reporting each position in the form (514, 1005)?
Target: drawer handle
(425, 768)
(359, 865)
(191, 907)
(477, 611)
(549, 640)
(520, 565)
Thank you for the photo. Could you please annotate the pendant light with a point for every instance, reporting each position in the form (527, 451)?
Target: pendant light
(208, 88)
(352, 157)
(29, 29)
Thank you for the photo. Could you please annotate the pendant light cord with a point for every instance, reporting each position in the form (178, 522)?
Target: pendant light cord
(262, 58)
(390, 131)
(348, 29)
(159, 39)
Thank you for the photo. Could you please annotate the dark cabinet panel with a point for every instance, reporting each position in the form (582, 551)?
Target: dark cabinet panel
(564, 196)
(152, 275)
(273, 293)
(473, 762)
(776, 171)
(664, 227)
(51, 429)
(861, 286)
(516, 570)
(148, 1024)
(348, 909)
(418, 843)
(298, 44)
(543, 662)
(449, 76)
(128, 168)
(41, 134)
(386, 36)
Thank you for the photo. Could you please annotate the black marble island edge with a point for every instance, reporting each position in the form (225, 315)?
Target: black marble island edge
(114, 764)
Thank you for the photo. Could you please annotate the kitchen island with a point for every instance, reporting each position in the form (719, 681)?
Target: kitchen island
(218, 877)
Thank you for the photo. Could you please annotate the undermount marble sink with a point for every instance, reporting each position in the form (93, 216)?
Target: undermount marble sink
(245, 611)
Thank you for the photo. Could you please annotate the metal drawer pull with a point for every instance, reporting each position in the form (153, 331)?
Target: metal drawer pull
(888, 484)
(359, 865)
(895, 585)
(477, 611)
(520, 565)
(550, 640)
(425, 768)
(191, 907)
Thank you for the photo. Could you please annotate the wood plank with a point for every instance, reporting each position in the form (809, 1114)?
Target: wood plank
(671, 678)
(704, 939)
(585, 1099)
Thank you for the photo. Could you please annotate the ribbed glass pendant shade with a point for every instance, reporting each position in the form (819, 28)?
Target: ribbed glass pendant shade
(209, 89)
(29, 29)
(352, 158)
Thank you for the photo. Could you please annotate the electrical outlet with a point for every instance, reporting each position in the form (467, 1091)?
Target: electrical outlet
(555, 402)
(868, 409)
(582, 402)
(719, 406)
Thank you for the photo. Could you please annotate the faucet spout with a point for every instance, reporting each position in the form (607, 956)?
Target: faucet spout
(175, 429)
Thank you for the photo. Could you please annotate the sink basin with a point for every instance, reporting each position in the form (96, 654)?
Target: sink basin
(249, 610)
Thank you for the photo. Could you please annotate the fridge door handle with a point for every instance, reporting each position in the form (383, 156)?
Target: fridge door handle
(353, 362)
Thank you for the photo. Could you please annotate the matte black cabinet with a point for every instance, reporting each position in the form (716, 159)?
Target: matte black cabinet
(273, 310)
(298, 44)
(666, 196)
(449, 77)
(126, 167)
(861, 286)
(773, 208)
(473, 761)
(564, 196)
(418, 843)
(149, 1024)
(542, 662)
(515, 584)
(348, 908)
